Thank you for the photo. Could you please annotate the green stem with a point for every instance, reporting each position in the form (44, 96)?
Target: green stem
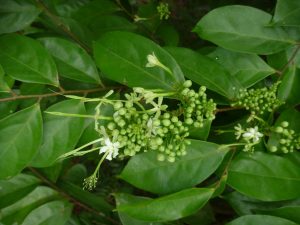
(80, 115)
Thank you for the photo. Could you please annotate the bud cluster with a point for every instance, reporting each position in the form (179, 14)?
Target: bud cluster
(195, 105)
(259, 101)
(288, 139)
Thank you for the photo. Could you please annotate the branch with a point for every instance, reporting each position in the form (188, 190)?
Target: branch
(68, 197)
(40, 96)
(228, 109)
(289, 62)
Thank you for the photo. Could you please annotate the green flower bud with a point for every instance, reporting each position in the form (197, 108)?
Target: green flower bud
(187, 84)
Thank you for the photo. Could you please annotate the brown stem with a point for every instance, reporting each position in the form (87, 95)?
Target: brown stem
(57, 21)
(68, 197)
(228, 109)
(225, 171)
(84, 92)
(289, 62)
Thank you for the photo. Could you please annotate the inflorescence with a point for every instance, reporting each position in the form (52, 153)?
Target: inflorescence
(289, 140)
(259, 101)
(141, 122)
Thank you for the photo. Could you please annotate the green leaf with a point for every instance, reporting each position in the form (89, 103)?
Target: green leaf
(166, 208)
(86, 197)
(107, 23)
(3, 85)
(15, 214)
(8, 107)
(287, 13)
(287, 212)
(15, 188)
(20, 138)
(61, 133)
(292, 116)
(288, 90)
(251, 33)
(263, 176)
(51, 213)
(16, 15)
(146, 172)
(94, 10)
(248, 69)
(26, 60)
(72, 61)
(260, 219)
(122, 57)
(125, 218)
(205, 71)
(168, 34)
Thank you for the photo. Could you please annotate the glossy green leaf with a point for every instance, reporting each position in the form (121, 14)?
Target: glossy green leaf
(3, 85)
(107, 23)
(248, 69)
(168, 34)
(125, 218)
(287, 212)
(250, 33)
(263, 176)
(72, 61)
(146, 172)
(260, 219)
(292, 116)
(51, 213)
(15, 188)
(94, 10)
(166, 208)
(17, 129)
(61, 133)
(16, 15)
(9, 107)
(26, 60)
(287, 13)
(288, 90)
(17, 212)
(86, 197)
(204, 71)
(122, 57)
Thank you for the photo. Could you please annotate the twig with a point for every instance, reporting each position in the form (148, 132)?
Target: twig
(228, 109)
(68, 197)
(57, 21)
(290, 61)
(17, 97)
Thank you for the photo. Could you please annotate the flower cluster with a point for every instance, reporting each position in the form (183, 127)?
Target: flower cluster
(163, 11)
(288, 139)
(259, 101)
(251, 136)
(196, 106)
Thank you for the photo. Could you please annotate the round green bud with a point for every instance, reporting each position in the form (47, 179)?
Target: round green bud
(122, 123)
(273, 149)
(118, 105)
(185, 91)
(278, 130)
(111, 125)
(166, 122)
(189, 121)
(174, 119)
(160, 157)
(284, 124)
(166, 115)
(171, 159)
(187, 84)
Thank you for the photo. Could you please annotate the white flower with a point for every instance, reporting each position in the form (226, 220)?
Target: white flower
(111, 148)
(238, 131)
(152, 126)
(152, 60)
(253, 133)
